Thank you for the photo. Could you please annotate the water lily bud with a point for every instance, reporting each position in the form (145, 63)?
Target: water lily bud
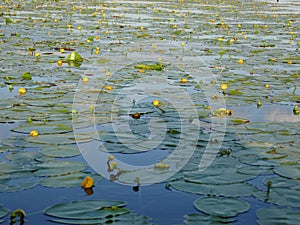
(296, 110)
(113, 165)
(136, 115)
(111, 157)
(258, 103)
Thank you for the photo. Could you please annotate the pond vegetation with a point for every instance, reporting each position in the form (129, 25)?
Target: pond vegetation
(73, 72)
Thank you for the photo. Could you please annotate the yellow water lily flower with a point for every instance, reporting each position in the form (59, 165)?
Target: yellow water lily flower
(240, 61)
(155, 102)
(87, 182)
(22, 91)
(59, 63)
(34, 133)
(224, 86)
(85, 79)
(108, 88)
(183, 80)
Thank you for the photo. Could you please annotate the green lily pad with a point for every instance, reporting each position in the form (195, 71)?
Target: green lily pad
(60, 151)
(146, 176)
(18, 181)
(289, 171)
(228, 190)
(43, 128)
(277, 216)
(282, 182)
(203, 219)
(69, 180)
(157, 66)
(59, 168)
(221, 171)
(3, 212)
(280, 196)
(224, 207)
(59, 139)
(115, 219)
(255, 170)
(87, 209)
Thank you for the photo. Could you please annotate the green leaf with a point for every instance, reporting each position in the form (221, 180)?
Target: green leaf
(3, 212)
(288, 171)
(158, 66)
(235, 92)
(26, 76)
(74, 57)
(49, 169)
(228, 190)
(203, 219)
(277, 216)
(280, 196)
(87, 209)
(60, 151)
(224, 207)
(69, 180)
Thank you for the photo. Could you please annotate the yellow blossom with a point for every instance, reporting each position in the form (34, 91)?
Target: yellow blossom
(22, 91)
(34, 133)
(87, 182)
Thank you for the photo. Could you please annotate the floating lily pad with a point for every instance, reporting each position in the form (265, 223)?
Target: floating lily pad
(221, 171)
(224, 207)
(280, 196)
(255, 170)
(59, 139)
(289, 171)
(281, 182)
(228, 190)
(69, 180)
(87, 209)
(43, 128)
(146, 176)
(59, 168)
(124, 219)
(277, 216)
(3, 211)
(60, 151)
(18, 181)
(196, 219)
